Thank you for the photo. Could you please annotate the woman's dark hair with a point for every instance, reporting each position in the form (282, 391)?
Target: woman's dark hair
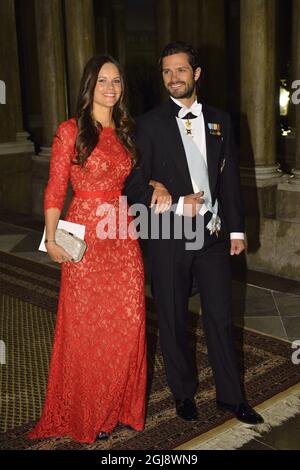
(89, 130)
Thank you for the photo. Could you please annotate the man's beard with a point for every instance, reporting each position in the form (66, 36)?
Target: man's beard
(182, 94)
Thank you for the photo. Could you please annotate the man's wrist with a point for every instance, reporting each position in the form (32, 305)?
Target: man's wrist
(180, 206)
(237, 236)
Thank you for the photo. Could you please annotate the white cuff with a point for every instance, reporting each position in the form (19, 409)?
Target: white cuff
(237, 236)
(179, 208)
(203, 209)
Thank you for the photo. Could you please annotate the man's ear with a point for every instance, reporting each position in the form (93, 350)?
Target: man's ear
(197, 73)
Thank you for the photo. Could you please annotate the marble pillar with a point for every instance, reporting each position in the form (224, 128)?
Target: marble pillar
(270, 211)
(210, 38)
(166, 30)
(11, 117)
(288, 197)
(259, 99)
(258, 96)
(80, 35)
(296, 73)
(119, 30)
(51, 64)
(188, 24)
(15, 148)
(30, 76)
(200, 23)
(233, 58)
(53, 90)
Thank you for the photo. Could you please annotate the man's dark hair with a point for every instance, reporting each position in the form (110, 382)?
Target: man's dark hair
(177, 47)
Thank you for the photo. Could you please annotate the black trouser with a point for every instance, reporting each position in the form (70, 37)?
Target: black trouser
(211, 268)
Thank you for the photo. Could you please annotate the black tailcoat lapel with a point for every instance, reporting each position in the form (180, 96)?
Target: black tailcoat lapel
(174, 145)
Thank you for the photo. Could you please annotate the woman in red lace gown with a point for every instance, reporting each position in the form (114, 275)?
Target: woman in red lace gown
(97, 375)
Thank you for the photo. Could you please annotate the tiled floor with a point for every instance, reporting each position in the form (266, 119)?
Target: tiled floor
(284, 437)
(266, 304)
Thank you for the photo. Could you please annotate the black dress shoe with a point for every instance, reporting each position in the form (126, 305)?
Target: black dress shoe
(243, 412)
(186, 409)
(102, 436)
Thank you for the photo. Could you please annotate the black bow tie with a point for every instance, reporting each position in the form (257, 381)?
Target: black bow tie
(176, 108)
(189, 116)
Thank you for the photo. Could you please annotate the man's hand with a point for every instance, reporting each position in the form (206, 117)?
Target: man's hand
(161, 197)
(192, 204)
(237, 246)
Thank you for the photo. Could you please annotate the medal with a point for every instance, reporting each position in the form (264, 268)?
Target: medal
(188, 127)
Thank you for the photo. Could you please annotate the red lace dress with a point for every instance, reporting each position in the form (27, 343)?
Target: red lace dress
(97, 374)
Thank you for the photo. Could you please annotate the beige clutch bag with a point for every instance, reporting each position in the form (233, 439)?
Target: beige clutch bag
(73, 245)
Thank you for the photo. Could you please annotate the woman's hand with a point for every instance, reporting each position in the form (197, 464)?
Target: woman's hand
(160, 197)
(57, 253)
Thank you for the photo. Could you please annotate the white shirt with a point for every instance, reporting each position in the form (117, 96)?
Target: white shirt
(198, 132)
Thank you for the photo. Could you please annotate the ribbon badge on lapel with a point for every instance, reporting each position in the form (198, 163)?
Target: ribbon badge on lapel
(214, 128)
(222, 165)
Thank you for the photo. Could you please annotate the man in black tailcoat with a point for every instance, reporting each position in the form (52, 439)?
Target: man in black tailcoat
(188, 147)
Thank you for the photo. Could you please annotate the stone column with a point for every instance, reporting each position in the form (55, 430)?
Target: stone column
(209, 36)
(15, 149)
(52, 76)
(259, 99)
(188, 24)
(166, 32)
(30, 75)
(11, 118)
(7, 54)
(119, 30)
(296, 76)
(165, 11)
(288, 198)
(202, 24)
(80, 32)
(51, 64)
(272, 238)
(233, 58)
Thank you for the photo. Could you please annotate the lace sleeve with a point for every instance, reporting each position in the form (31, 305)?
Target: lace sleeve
(60, 165)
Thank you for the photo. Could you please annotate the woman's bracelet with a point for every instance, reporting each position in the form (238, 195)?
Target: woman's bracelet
(49, 241)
